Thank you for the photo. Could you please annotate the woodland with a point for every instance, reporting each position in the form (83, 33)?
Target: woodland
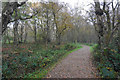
(36, 35)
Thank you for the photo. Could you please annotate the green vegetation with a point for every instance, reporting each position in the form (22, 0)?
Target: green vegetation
(89, 44)
(33, 60)
(108, 66)
(47, 24)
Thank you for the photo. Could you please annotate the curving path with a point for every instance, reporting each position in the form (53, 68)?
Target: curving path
(78, 64)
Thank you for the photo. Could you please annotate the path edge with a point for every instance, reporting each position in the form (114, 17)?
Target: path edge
(45, 71)
(61, 58)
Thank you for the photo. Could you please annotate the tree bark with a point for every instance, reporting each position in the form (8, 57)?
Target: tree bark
(16, 29)
(35, 32)
(99, 23)
(7, 12)
(25, 38)
(21, 37)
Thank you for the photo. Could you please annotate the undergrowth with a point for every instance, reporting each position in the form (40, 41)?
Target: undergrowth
(108, 66)
(32, 60)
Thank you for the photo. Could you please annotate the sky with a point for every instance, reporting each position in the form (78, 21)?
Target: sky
(73, 3)
(83, 4)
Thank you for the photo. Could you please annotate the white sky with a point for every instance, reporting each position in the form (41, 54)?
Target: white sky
(72, 3)
(77, 2)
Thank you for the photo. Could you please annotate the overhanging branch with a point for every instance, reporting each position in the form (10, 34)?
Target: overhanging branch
(20, 18)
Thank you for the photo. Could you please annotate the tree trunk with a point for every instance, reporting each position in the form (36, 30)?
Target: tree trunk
(16, 29)
(25, 39)
(59, 39)
(35, 31)
(118, 29)
(21, 37)
(8, 37)
(48, 29)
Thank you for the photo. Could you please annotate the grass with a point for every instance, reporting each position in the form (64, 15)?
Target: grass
(33, 60)
(42, 73)
(91, 45)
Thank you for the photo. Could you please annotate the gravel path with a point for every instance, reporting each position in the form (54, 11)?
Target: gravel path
(78, 64)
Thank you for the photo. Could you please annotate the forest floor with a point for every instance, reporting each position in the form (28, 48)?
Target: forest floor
(33, 60)
(78, 64)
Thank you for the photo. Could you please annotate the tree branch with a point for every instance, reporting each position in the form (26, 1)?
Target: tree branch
(20, 18)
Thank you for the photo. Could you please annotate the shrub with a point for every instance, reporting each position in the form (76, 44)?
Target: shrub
(69, 46)
(29, 58)
(109, 65)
